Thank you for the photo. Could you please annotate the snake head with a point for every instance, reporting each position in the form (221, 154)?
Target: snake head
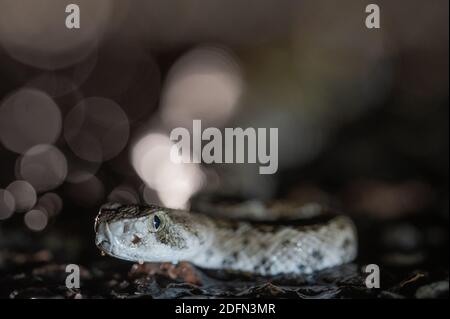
(148, 233)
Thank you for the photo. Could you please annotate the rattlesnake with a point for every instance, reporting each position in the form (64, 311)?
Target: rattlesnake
(141, 233)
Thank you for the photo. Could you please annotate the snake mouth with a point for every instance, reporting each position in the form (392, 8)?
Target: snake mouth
(107, 244)
(103, 238)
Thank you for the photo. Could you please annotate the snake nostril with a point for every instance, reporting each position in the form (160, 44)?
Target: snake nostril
(103, 244)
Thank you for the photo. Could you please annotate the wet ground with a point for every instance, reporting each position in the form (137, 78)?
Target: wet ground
(412, 255)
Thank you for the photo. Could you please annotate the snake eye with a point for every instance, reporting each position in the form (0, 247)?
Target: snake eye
(156, 223)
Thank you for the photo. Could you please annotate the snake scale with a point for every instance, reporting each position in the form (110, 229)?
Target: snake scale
(141, 233)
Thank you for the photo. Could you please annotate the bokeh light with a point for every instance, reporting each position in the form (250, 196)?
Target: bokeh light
(7, 204)
(53, 84)
(58, 83)
(134, 81)
(123, 194)
(204, 84)
(80, 170)
(36, 220)
(52, 203)
(174, 183)
(44, 167)
(96, 129)
(28, 117)
(36, 34)
(24, 195)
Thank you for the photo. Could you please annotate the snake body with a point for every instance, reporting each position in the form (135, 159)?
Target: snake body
(155, 234)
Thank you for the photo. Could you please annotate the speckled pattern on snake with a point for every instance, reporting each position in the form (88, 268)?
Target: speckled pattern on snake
(155, 234)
